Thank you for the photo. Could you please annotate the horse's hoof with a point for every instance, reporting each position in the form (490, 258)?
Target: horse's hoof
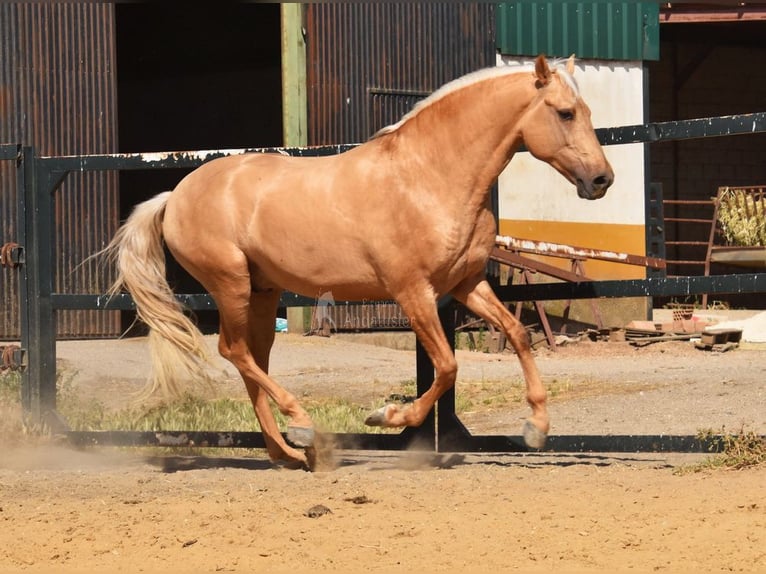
(301, 437)
(377, 418)
(533, 436)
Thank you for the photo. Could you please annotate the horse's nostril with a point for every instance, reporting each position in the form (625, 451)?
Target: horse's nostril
(601, 181)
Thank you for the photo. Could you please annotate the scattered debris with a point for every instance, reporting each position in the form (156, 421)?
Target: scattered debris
(683, 328)
(317, 510)
(644, 341)
(677, 326)
(719, 340)
(642, 326)
(686, 325)
(361, 499)
(598, 334)
(565, 339)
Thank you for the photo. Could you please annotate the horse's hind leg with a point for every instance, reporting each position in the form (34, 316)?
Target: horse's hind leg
(230, 287)
(476, 294)
(262, 313)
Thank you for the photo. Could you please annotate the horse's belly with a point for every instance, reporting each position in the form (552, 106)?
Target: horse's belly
(321, 276)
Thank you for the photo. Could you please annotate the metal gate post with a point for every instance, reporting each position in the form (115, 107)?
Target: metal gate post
(38, 327)
(23, 172)
(424, 436)
(450, 431)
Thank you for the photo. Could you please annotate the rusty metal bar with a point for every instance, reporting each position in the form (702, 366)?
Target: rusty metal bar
(521, 262)
(708, 202)
(572, 252)
(689, 220)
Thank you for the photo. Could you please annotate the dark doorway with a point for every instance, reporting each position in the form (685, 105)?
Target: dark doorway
(194, 77)
(706, 70)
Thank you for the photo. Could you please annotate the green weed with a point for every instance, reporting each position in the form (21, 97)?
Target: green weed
(739, 451)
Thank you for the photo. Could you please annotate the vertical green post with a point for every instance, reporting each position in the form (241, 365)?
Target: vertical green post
(294, 115)
(294, 111)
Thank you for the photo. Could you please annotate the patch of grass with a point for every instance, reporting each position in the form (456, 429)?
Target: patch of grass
(341, 416)
(409, 388)
(188, 413)
(10, 386)
(739, 451)
(557, 388)
(11, 421)
(192, 413)
(493, 395)
(488, 395)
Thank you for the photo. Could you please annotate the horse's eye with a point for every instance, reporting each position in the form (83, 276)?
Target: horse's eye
(565, 115)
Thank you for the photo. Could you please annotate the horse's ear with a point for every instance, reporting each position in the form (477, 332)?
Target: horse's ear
(570, 64)
(542, 71)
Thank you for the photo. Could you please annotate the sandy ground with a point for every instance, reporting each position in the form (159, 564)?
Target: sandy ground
(142, 511)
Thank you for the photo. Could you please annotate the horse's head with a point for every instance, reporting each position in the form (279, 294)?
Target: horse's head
(557, 129)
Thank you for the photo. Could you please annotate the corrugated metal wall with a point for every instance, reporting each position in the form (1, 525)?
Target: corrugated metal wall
(368, 63)
(369, 317)
(599, 30)
(58, 94)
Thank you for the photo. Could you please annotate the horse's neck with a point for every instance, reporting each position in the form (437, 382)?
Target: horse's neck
(470, 135)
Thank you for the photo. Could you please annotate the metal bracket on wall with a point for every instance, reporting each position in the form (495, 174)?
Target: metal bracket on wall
(12, 358)
(11, 255)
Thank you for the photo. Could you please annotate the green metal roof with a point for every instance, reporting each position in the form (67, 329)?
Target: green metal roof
(600, 30)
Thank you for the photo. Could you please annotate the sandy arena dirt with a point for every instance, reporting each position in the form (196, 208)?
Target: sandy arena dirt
(112, 510)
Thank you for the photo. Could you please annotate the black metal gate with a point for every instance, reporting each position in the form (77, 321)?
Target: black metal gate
(39, 178)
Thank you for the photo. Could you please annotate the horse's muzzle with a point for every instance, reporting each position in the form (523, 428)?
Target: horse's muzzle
(596, 188)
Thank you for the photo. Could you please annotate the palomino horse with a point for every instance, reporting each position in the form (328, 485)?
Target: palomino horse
(404, 216)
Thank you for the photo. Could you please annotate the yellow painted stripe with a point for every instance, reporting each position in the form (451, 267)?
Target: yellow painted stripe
(604, 236)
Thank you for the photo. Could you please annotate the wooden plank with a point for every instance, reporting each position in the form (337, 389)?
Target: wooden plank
(739, 256)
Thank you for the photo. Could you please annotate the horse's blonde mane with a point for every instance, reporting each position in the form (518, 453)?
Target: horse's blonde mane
(471, 79)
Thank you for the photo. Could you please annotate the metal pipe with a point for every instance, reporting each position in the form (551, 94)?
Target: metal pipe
(572, 252)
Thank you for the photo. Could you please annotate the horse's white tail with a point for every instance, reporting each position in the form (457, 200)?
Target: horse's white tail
(178, 351)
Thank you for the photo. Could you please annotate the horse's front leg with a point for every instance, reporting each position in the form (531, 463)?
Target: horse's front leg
(476, 294)
(420, 306)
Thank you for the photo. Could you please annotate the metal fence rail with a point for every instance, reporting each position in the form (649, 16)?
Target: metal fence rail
(39, 177)
(406, 440)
